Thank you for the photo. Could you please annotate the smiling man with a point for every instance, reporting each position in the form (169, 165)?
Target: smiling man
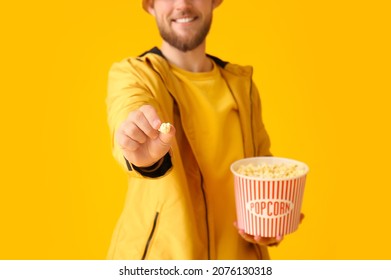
(180, 202)
(184, 29)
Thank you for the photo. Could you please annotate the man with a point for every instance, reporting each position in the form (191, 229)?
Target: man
(180, 202)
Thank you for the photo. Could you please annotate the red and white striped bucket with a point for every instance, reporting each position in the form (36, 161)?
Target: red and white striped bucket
(268, 207)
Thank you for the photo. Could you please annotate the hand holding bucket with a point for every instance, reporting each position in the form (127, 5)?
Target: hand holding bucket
(269, 206)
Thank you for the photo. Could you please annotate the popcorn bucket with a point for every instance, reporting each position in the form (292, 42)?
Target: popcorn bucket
(269, 204)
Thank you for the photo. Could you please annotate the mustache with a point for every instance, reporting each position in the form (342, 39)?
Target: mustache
(184, 13)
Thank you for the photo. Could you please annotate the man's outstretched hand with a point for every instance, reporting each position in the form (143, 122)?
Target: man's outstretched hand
(139, 138)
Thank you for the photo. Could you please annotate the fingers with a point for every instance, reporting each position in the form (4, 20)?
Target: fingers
(247, 237)
(268, 241)
(166, 138)
(151, 115)
(265, 241)
(147, 120)
(129, 137)
(140, 125)
(138, 137)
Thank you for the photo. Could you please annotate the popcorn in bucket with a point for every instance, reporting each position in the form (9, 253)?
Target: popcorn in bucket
(268, 194)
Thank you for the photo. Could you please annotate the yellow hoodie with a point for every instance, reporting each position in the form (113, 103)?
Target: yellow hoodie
(167, 217)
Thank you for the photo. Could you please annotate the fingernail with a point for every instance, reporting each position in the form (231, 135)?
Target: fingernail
(278, 238)
(156, 124)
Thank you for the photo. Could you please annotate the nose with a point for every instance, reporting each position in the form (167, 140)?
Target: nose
(183, 4)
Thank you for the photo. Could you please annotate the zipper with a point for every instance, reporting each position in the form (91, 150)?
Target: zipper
(206, 213)
(252, 116)
(150, 236)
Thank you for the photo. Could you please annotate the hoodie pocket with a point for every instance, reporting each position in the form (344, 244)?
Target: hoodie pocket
(147, 245)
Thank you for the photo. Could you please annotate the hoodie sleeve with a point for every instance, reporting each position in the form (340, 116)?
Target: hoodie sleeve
(126, 92)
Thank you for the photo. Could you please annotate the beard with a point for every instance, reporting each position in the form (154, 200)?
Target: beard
(183, 43)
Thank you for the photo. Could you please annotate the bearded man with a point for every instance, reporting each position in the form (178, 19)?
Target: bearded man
(180, 202)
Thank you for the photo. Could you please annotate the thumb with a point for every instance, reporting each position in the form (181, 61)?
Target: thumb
(167, 134)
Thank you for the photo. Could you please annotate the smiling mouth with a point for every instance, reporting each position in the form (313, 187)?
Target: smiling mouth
(185, 19)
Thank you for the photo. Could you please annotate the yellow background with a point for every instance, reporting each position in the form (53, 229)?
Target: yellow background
(323, 69)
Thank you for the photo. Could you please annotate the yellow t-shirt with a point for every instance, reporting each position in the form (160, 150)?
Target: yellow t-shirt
(214, 123)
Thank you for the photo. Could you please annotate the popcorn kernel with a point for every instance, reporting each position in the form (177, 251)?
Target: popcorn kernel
(165, 128)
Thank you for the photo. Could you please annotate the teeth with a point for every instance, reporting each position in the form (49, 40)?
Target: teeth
(184, 20)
